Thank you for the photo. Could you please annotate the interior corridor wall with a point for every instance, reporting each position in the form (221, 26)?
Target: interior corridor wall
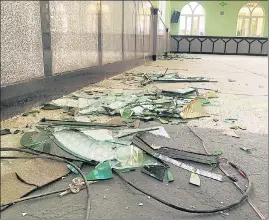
(216, 24)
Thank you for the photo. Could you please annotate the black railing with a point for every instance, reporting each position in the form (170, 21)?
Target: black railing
(219, 45)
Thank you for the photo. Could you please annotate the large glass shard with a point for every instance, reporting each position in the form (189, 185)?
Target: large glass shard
(121, 156)
(84, 146)
(40, 141)
(101, 172)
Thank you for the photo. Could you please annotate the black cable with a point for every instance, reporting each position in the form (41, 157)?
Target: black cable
(50, 158)
(34, 197)
(244, 197)
(242, 173)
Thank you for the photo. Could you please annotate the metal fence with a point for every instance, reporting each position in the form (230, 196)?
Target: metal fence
(219, 45)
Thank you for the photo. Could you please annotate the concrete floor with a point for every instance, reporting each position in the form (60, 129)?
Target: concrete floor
(245, 99)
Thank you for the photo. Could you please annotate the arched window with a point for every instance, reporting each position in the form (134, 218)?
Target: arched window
(192, 19)
(250, 20)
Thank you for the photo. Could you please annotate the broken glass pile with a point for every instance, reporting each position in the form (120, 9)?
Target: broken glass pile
(163, 106)
(87, 144)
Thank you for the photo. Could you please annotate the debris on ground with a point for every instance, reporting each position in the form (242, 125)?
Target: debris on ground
(190, 156)
(155, 171)
(209, 95)
(147, 148)
(194, 110)
(177, 56)
(101, 172)
(217, 153)
(5, 131)
(231, 80)
(230, 120)
(230, 133)
(33, 113)
(115, 145)
(179, 92)
(195, 179)
(173, 78)
(170, 177)
(236, 127)
(247, 150)
(24, 214)
(48, 106)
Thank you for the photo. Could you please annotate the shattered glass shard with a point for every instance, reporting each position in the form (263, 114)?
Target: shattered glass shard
(247, 150)
(194, 110)
(170, 176)
(163, 121)
(83, 102)
(101, 172)
(155, 171)
(40, 141)
(195, 179)
(131, 157)
(48, 106)
(85, 147)
(126, 113)
(186, 155)
(209, 95)
(66, 102)
(178, 92)
(138, 110)
(82, 118)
